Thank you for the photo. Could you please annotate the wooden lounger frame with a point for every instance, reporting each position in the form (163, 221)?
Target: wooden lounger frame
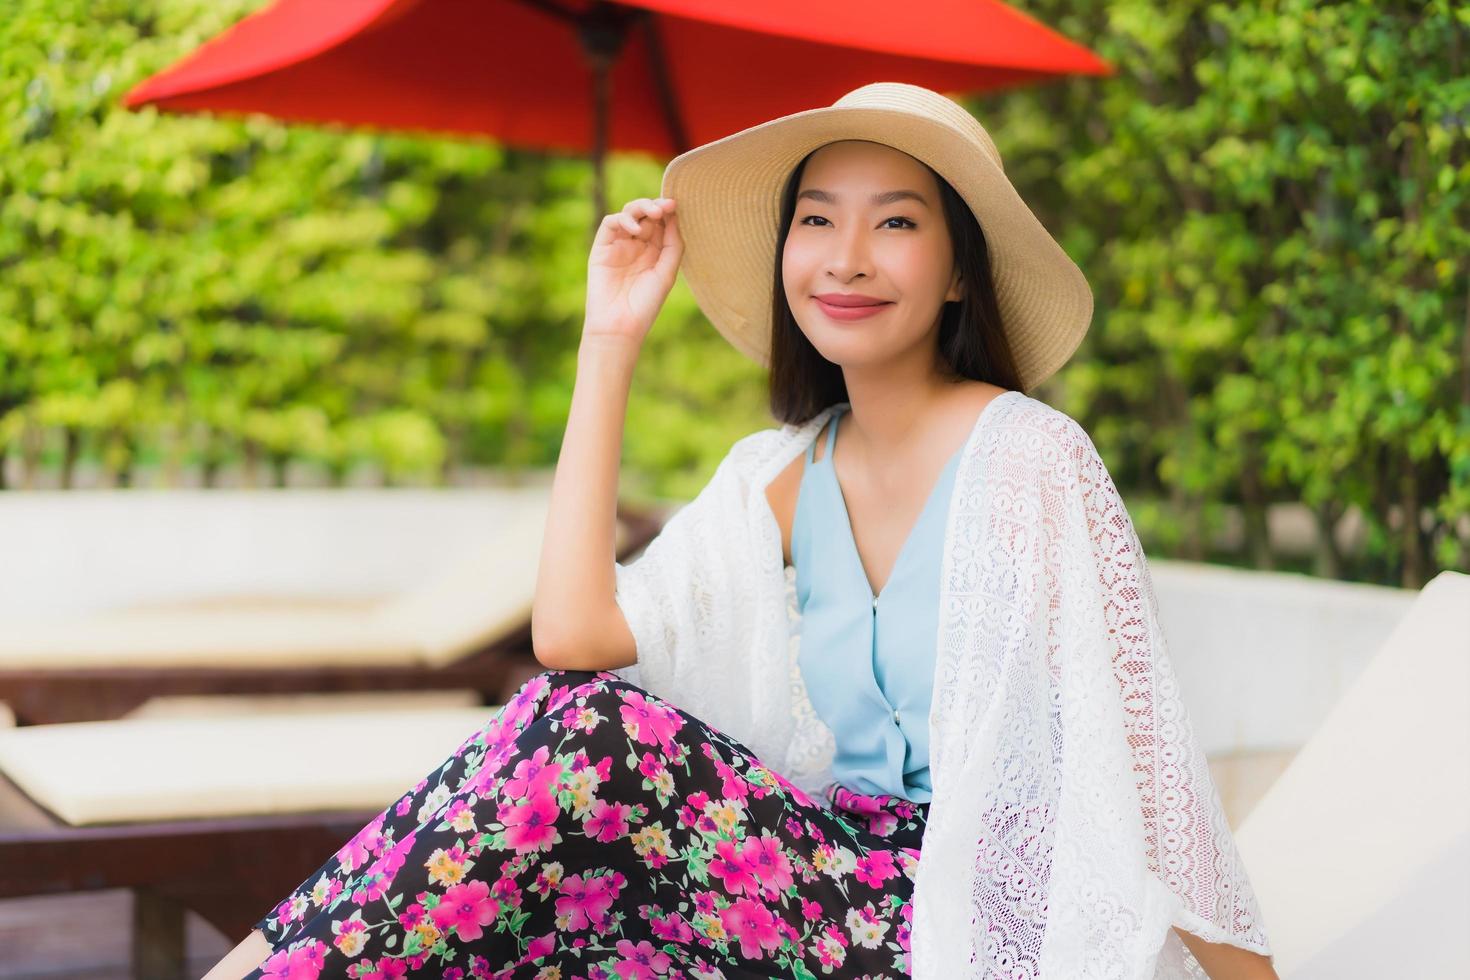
(495, 671)
(230, 871)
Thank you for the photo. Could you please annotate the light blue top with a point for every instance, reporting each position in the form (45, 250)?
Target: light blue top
(868, 661)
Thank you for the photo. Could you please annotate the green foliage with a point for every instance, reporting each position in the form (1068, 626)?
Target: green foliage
(1269, 200)
(198, 290)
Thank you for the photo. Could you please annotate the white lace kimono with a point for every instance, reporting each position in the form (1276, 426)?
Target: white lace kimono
(1073, 819)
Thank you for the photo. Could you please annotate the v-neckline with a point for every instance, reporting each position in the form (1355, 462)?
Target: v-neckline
(903, 548)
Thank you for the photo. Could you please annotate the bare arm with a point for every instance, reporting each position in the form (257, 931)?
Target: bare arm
(1223, 961)
(253, 950)
(575, 624)
(575, 620)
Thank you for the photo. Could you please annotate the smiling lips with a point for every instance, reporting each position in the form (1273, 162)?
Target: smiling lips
(850, 306)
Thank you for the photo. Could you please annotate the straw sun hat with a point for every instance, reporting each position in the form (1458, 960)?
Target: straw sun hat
(728, 193)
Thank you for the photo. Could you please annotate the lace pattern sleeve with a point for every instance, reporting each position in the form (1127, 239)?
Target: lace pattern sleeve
(1116, 647)
(701, 603)
(1074, 819)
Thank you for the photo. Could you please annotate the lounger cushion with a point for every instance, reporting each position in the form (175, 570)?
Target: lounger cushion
(177, 768)
(482, 594)
(1376, 805)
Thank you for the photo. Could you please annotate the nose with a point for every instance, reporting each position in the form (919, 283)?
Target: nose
(850, 256)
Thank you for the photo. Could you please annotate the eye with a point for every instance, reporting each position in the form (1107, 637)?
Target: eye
(818, 217)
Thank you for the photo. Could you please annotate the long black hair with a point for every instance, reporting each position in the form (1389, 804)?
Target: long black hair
(971, 342)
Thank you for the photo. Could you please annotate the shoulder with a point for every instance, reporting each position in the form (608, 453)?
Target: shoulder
(1054, 439)
(761, 454)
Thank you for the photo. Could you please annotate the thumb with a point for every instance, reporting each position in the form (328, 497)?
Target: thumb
(673, 248)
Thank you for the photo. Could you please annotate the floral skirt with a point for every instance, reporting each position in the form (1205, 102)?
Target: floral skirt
(593, 830)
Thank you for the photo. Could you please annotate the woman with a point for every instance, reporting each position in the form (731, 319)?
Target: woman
(677, 796)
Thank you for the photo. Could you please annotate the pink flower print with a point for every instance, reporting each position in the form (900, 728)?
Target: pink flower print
(883, 823)
(350, 939)
(766, 858)
(733, 787)
(507, 892)
(731, 869)
(671, 928)
(410, 917)
(561, 695)
(362, 845)
(650, 766)
(466, 908)
(531, 826)
(533, 777)
(453, 973)
(492, 768)
(404, 805)
(303, 963)
(831, 947)
(649, 723)
(687, 816)
(579, 718)
(285, 912)
(640, 962)
(459, 815)
(698, 799)
(585, 901)
(793, 827)
(792, 790)
(876, 868)
(607, 821)
(387, 968)
(880, 821)
(541, 946)
(706, 902)
(753, 924)
(532, 690)
(811, 911)
(382, 871)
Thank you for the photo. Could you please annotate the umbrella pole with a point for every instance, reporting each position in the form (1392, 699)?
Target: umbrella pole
(600, 99)
(602, 29)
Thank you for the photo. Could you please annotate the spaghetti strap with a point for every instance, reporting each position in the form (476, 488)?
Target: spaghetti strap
(811, 447)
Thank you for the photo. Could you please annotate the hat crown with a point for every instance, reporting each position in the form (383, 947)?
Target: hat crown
(920, 101)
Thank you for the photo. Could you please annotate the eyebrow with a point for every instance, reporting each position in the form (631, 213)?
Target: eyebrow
(877, 200)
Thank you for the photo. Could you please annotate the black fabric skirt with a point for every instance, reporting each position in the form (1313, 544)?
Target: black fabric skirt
(593, 830)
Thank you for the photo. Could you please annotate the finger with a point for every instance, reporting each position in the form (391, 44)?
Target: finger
(608, 232)
(673, 247)
(644, 208)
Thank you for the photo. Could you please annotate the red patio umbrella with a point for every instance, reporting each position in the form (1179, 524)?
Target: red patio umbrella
(657, 76)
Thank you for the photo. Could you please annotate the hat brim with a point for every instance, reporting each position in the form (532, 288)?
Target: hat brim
(728, 194)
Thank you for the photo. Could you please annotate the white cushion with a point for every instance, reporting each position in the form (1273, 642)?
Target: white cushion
(178, 768)
(482, 595)
(1360, 827)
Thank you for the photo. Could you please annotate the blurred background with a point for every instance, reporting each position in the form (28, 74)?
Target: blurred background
(280, 399)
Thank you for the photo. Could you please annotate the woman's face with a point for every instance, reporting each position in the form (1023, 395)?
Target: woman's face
(896, 251)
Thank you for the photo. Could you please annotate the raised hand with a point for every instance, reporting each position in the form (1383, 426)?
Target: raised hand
(635, 256)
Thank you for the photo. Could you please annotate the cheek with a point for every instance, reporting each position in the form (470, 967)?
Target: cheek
(796, 272)
(795, 260)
